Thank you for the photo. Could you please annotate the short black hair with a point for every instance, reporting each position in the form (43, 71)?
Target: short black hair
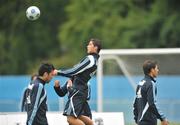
(96, 42)
(148, 65)
(45, 67)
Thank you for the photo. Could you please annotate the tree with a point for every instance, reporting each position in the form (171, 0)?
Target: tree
(24, 43)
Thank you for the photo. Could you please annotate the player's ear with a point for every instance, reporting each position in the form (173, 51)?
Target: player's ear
(45, 74)
(96, 48)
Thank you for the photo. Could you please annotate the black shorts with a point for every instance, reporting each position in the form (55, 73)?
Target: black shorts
(77, 105)
(147, 123)
(87, 111)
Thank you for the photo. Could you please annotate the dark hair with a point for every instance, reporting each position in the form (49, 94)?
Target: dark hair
(45, 67)
(148, 65)
(96, 42)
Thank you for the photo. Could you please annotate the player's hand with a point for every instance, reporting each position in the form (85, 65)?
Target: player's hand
(56, 83)
(69, 83)
(164, 122)
(55, 72)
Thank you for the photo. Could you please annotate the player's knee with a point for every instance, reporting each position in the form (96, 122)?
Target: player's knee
(91, 123)
(73, 121)
(69, 120)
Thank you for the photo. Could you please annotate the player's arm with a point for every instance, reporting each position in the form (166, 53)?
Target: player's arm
(86, 63)
(23, 100)
(135, 112)
(89, 91)
(61, 91)
(135, 106)
(153, 103)
(164, 122)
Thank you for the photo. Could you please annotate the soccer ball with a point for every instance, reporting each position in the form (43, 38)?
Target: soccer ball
(33, 13)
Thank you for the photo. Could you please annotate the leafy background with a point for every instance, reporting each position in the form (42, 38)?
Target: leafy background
(61, 33)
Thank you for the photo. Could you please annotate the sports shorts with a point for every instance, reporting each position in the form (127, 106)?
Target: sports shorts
(77, 105)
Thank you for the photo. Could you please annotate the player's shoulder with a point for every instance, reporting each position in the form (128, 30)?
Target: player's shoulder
(91, 57)
(145, 82)
(149, 83)
(37, 85)
(142, 82)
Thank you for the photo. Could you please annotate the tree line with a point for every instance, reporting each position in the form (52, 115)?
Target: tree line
(61, 33)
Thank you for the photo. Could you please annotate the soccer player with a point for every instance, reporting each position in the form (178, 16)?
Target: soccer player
(38, 107)
(145, 109)
(81, 74)
(26, 95)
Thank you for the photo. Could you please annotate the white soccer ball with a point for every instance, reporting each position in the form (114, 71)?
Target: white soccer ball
(33, 13)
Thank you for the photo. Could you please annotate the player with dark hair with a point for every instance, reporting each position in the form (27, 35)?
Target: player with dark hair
(146, 111)
(81, 74)
(36, 114)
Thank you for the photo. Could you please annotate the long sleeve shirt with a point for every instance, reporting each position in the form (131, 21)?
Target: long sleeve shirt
(38, 107)
(146, 110)
(82, 72)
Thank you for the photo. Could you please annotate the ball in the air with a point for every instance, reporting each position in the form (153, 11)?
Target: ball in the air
(33, 13)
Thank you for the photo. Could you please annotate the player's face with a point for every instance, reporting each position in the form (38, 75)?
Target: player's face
(49, 76)
(91, 48)
(155, 71)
